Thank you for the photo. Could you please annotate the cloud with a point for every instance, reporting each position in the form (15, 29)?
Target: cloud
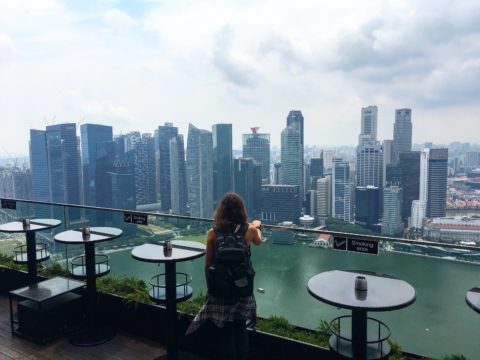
(428, 58)
(118, 19)
(231, 68)
(8, 49)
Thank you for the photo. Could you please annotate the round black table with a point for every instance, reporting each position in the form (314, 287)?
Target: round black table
(181, 251)
(384, 293)
(35, 225)
(473, 299)
(93, 333)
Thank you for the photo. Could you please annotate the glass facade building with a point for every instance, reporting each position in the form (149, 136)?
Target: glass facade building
(247, 182)
(280, 203)
(222, 161)
(178, 176)
(93, 138)
(257, 147)
(200, 172)
(163, 135)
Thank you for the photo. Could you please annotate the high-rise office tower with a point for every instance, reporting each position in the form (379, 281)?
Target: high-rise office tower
(387, 157)
(280, 203)
(418, 214)
(369, 125)
(324, 198)
(144, 164)
(178, 176)
(295, 120)
(341, 190)
(277, 173)
(93, 138)
(200, 172)
(123, 186)
(39, 166)
(367, 209)
(119, 148)
(131, 139)
(392, 224)
(63, 161)
(291, 158)
(472, 159)
(370, 164)
(306, 177)
(316, 167)
(437, 183)
(15, 183)
(316, 172)
(409, 168)
(247, 182)
(105, 157)
(402, 132)
(257, 146)
(328, 156)
(222, 161)
(311, 203)
(162, 160)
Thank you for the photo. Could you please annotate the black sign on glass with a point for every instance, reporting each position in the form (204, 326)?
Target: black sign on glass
(355, 245)
(363, 246)
(340, 243)
(9, 204)
(131, 218)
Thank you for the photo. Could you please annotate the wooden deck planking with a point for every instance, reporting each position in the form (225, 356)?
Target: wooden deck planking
(122, 347)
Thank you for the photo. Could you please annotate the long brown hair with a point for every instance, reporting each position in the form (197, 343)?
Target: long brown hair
(230, 211)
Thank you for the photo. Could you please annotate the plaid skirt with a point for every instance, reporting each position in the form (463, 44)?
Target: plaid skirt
(218, 311)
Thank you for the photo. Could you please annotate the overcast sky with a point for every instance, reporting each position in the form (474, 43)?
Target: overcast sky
(137, 64)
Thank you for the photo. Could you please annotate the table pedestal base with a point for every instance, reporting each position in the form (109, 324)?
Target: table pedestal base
(182, 355)
(92, 336)
(344, 349)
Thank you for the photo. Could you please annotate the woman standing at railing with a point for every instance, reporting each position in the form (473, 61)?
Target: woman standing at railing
(230, 302)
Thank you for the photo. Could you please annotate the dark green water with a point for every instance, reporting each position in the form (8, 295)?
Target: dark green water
(438, 323)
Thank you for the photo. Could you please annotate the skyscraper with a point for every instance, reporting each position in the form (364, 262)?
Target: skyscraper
(324, 198)
(418, 214)
(105, 157)
(369, 125)
(39, 166)
(280, 203)
(437, 183)
(200, 172)
(15, 183)
(163, 180)
(247, 182)
(123, 186)
(370, 164)
(257, 146)
(409, 168)
(63, 161)
(402, 132)
(93, 137)
(295, 119)
(222, 161)
(387, 157)
(367, 209)
(341, 190)
(392, 224)
(178, 175)
(144, 164)
(277, 173)
(291, 158)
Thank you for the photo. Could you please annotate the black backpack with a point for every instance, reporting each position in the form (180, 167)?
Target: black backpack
(231, 274)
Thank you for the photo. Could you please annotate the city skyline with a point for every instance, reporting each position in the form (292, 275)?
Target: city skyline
(136, 65)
